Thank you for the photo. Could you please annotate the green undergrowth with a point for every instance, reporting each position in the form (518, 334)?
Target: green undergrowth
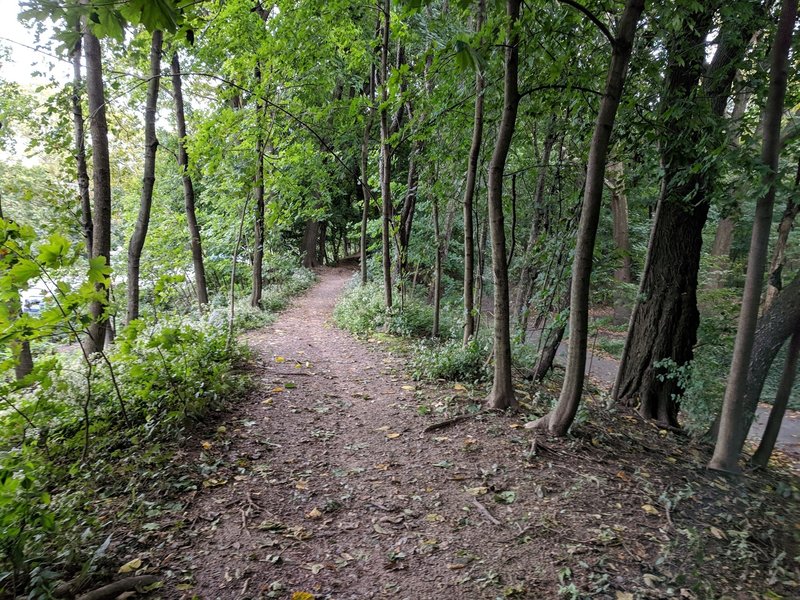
(87, 443)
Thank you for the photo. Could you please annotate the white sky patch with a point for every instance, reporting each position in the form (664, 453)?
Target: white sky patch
(26, 57)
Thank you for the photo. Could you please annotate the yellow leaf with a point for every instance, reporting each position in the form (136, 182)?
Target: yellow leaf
(314, 513)
(408, 388)
(382, 466)
(624, 596)
(301, 484)
(279, 359)
(459, 388)
(267, 401)
(131, 566)
(302, 596)
(206, 445)
(384, 428)
(434, 518)
(650, 509)
(277, 390)
(477, 491)
(392, 436)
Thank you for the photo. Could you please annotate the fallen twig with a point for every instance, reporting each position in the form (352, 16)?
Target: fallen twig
(485, 512)
(112, 590)
(458, 419)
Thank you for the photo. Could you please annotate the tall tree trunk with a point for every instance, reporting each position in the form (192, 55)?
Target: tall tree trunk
(365, 194)
(552, 340)
(615, 181)
(258, 193)
(663, 326)
(98, 128)
(136, 243)
(775, 279)
(528, 273)
(502, 393)
(784, 392)
(79, 138)
(386, 160)
(407, 213)
(188, 187)
(437, 274)
(310, 244)
(559, 420)
(24, 365)
(469, 193)
(730, 441)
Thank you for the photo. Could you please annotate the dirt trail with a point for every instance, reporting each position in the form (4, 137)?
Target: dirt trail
(322, 481)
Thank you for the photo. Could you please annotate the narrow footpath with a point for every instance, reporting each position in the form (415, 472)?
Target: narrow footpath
(322, 483)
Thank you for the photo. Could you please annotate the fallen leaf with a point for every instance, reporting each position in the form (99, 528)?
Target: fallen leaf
(314, 513)
(384, 428)
(409, 388)
(434, 518)
(279, 359)
(392, 436)
(277, 390)
(302, 596)
(382, 466)
(650, 509)
(441, 438)
(477, 491)
(184, 586)
(206, 445)
(459, 388)
(624, 596)
(381, 529)
(651, 580)
(717, 533)
(208, 483)
(301, 484)
(314, 568)
(131, 566)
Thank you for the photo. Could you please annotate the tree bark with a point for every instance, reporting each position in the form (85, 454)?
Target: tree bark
(773, 428)
(730, 440)
(502, 393)
(775, 279)
(258, 194)
(188, 187)
(559, 420)
(79, 138)
(310, 244)
(136, 244)
(529, 270)
(663, 326)
(365, 194)
(437, 278)
(386, 160)
(469, 193)
(98, 129)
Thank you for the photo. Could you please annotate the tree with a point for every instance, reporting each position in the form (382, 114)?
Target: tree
(101, 242)
(502, 393)
(469, 192)
(730, 440)
(385, 171)
(559, 420)
(137, 240)
(663, 326)
(198, 265)
(79, 137)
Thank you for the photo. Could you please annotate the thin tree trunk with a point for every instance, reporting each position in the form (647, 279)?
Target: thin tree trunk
(622, 245)
(136, 244)
(258, 221)
(188, 188)
(784, 392)
(502, 393)
(528, 273)
(365, 194)
(553, 338)
(98, 129)
(730, 441)
(24, 365)
(559, 420)
(775, 279)
(386, 160)
(79, 138)
(469, 193)
(437, 279)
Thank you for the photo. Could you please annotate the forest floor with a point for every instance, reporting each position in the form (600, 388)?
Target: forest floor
(323, 481)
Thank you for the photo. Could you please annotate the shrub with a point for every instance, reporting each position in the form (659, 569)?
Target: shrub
(451, 361)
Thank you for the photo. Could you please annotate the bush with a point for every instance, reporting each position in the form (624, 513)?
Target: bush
(361, 310)
(451, 361)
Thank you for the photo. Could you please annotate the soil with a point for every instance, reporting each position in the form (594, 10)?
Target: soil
(324, 481)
